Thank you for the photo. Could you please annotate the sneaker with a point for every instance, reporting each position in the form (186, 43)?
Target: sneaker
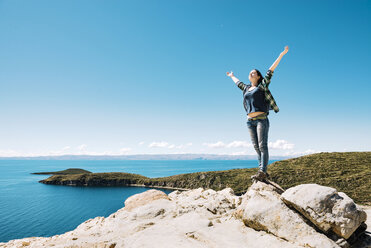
(260, 176)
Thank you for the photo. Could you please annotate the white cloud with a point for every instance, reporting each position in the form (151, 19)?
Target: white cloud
(9, 153)
(233, 144)
(183, 146)
(158, 144)
(64, 151)
(81, 147)
(164, 144)
(141, 143)
(240, 153)
(306, 152)
(310, 151)
(238, 143)
(125, 150)
(218, 144)
(56, 153)
(281, 144)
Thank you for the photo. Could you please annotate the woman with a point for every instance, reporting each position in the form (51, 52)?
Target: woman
(257, 101)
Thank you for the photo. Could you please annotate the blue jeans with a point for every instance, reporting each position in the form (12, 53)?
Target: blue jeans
(259, 136)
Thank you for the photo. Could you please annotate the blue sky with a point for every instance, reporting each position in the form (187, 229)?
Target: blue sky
(134, 77)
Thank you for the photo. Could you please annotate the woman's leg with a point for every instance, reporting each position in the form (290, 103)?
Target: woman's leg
(262, 133)
(252, 126)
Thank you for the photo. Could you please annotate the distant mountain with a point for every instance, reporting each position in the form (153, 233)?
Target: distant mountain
(146, 157)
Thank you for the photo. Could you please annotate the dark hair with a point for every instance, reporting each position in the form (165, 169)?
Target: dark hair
(259, 74)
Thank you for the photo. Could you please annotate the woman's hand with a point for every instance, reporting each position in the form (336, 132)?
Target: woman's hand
(273, 67)
(230, 74)
(286, 50)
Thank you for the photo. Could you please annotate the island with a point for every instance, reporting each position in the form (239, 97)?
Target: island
(64, 172)
(348, 172)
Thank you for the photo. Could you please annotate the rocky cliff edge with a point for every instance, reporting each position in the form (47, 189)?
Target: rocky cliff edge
(307, 215)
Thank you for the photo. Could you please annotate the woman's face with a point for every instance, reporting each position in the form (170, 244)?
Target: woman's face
(253, 76)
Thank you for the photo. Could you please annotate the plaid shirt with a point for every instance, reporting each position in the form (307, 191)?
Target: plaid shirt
(263, 86)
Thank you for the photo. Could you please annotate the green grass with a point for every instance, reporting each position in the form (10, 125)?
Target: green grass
(348, 172)
(96, 179)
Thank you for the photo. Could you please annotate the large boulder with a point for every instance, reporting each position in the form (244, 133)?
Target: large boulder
(326, 208)
(262, 209)
(144, 198)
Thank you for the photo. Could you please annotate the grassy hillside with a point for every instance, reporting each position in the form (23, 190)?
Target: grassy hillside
(349, 172)
(96, 179)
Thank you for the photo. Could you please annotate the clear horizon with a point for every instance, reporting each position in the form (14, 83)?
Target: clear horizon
(139, 154)
(149, 77)
(253, 157)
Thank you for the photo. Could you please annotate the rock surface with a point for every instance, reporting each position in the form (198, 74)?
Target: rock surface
(193, 218)
(262, 209)
(144, 198)
(326, 208)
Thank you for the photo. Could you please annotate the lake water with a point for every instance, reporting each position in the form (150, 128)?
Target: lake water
(29, 208)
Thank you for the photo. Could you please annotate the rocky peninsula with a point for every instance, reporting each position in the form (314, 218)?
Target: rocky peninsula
(348, 172)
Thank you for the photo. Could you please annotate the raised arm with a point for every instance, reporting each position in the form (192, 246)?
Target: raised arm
(240, 85)
(279, 59)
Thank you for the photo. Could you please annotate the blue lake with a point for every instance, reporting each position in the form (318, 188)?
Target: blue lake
(29, 208)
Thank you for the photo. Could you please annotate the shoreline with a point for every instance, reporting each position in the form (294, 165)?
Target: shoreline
(125, 185)
(157, 187)
(336, 167)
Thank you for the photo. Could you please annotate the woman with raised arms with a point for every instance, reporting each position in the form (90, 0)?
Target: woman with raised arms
(257, 101)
